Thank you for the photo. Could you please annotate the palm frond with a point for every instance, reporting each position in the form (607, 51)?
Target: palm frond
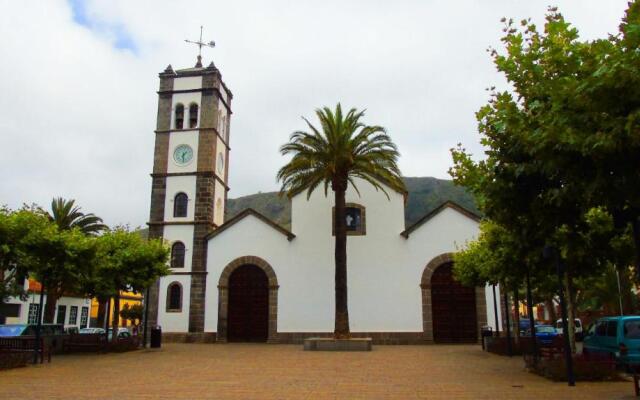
(341, 149)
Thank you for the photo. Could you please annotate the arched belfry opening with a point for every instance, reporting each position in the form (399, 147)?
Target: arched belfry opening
(451, 312)
(247, 302)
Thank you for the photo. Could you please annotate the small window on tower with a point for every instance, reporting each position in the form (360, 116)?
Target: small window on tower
(174, 297)
(177, 255)
(193, 115)
(179, 123)
(180, 203)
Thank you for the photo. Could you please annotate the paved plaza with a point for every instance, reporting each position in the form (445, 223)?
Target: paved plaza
(260, 371)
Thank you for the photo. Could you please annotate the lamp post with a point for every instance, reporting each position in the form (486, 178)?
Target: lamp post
(552, 252)
(39, 325)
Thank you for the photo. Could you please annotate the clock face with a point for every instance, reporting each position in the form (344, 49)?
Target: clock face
(183, 154)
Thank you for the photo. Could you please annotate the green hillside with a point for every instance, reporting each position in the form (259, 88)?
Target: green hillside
(425, 194)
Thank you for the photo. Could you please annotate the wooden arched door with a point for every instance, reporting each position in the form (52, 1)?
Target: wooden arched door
(453, 308)
(248, 313)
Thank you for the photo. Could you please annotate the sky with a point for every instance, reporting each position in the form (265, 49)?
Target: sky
(78, 82)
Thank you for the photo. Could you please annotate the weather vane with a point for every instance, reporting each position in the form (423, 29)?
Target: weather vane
(200, 43)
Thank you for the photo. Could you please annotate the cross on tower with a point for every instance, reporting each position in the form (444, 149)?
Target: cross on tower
(200, 43)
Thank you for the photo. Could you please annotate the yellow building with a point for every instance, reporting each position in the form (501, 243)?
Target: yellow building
(98, 309)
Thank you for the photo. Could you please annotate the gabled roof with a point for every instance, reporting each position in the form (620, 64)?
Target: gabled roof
(437, 210)
(382, 182)
(245, 213)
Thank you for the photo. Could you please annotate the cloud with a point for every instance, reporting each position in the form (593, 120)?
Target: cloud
(115, 32)
(79, 102)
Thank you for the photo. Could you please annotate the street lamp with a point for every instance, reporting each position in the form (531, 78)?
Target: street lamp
(550, 252)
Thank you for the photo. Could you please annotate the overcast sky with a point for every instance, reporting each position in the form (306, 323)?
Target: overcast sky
(78, 83)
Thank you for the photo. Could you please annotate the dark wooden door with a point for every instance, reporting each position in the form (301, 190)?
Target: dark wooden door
(453, 308)
(248, 313)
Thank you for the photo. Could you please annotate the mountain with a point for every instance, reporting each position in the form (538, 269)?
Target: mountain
(425, 194)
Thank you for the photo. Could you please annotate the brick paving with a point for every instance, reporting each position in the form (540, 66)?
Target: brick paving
(261, 371)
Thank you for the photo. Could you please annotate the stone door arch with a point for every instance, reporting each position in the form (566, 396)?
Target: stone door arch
(223, 296)
(427, 301)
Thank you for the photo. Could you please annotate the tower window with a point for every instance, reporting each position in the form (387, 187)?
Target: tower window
(177, 255)
(179, 116)
(193, 115)
(174, 297)
(180, 203)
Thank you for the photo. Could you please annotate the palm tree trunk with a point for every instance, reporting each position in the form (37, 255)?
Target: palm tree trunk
(342, 312)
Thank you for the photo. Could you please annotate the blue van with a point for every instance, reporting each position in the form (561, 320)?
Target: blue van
(616, 336)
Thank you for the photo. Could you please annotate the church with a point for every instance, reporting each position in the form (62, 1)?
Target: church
(248, 279)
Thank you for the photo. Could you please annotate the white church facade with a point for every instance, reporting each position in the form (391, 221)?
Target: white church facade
(249, 279)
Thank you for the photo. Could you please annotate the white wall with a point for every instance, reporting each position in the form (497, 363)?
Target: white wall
(257, 239)
(187, 83)
(491, 321)
(384, 268)
(64, 301)
(218, 210)
(184, 234)
(175, 185)
(174, 321)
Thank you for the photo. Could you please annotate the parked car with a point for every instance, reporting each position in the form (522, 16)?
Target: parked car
(122, 333)
(578, 324)
(525, 326)
(90, 331)
(30, 330)
(545, 334)
(618, 337)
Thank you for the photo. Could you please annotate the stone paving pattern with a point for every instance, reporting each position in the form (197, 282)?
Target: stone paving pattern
(262, 371)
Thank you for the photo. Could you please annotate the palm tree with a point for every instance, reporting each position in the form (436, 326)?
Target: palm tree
(343, 149)
(68, 216)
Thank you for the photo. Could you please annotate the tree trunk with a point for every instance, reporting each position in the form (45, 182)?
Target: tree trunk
(636, 242)
(342, 312)
(116, 317)
(549, 305)
(106, 320)
(516, 316)
(50, 305)
(570, 310)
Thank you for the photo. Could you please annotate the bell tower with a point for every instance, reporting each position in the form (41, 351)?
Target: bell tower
(189, 188)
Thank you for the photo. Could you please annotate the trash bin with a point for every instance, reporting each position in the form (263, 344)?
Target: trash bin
(156, 337)
(485, 331)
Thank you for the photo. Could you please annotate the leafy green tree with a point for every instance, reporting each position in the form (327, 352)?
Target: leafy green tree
(126, 262)
(15, 228)
(342, 149)
(554, 145)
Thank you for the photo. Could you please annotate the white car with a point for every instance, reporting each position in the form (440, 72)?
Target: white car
(88, 331)
(578, 324)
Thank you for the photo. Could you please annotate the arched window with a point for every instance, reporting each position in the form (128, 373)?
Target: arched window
(180, 205)
(179, 120)
(174, 297)
(177, 255)
(193, 115)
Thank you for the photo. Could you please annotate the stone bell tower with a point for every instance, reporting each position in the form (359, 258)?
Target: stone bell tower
(189, 188)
